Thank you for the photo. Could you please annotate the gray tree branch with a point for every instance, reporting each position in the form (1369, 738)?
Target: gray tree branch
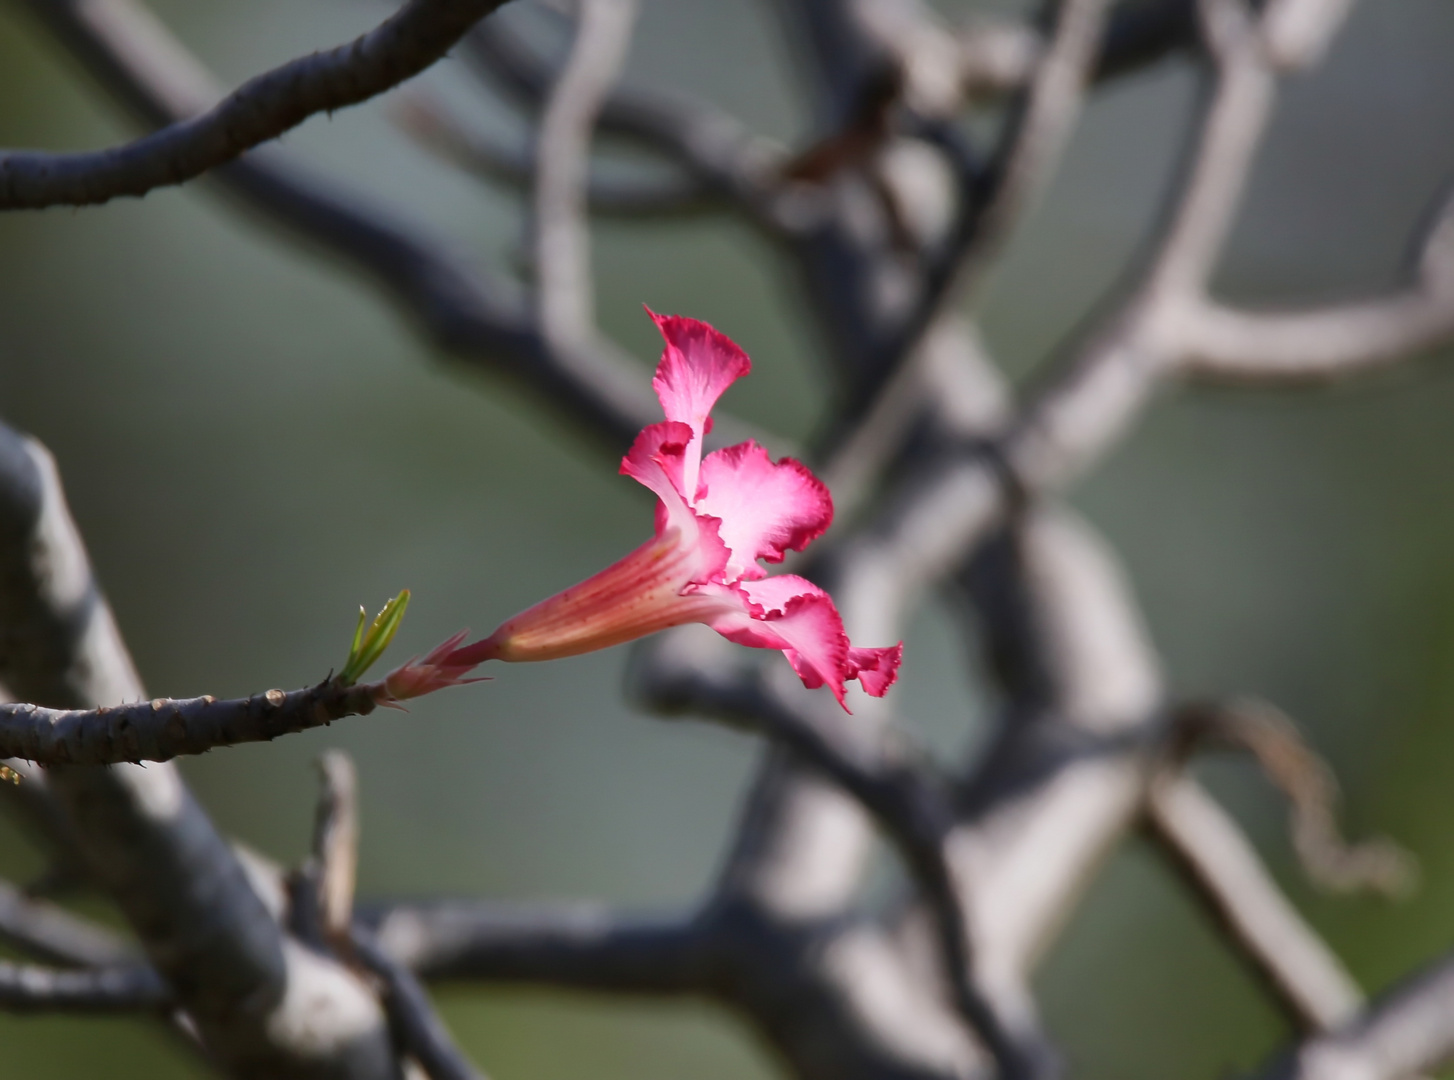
(164, 728)
(1406, 1032)
(44, 930)
(251, 993)
(469, 313)
(418, 1029)
(261, 109)
(121, 989)
(435, 127)
(1335, 341)
(710, 145)
(579, 946)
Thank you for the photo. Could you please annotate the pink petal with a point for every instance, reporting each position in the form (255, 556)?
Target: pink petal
(656, 458)
(697, 365)
(875, 669)
(765, 508)
(792, 614)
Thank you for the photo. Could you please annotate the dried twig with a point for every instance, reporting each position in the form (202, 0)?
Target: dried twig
(1312, 792)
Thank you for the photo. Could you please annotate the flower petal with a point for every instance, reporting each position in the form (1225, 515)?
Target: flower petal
(792, 614)
(875, 669)
(697, 364)
(655, 461)
(765, 507)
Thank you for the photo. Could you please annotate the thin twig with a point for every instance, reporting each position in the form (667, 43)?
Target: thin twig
(128, 988)
(436, 128)
(470, 313)
(1222, 866)
(261, 109)
(1270, 735)
(54, 934)
(565, 297)
(165, 728)
(709, 144)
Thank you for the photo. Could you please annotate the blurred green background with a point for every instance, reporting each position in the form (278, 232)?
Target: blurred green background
(254, 444)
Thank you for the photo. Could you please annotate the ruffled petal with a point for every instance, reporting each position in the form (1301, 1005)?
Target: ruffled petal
(766, 508)
(697, 364)
(655, 460)
(792, 614)
(875, 669)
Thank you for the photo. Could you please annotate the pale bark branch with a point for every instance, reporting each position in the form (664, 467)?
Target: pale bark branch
(1406, 1032)
(1040, 129)
(1320, 344)
(1223, 868)
(565, 293)
(710, 145)
(261, 109)
(335, 845)
(1256, 348)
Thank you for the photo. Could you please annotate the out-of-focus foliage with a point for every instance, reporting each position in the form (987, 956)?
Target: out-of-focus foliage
(203, 385)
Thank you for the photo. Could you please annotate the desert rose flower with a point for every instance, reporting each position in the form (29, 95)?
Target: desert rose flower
(716, 517)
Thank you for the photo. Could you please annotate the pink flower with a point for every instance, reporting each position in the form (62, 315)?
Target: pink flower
(715, 519)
